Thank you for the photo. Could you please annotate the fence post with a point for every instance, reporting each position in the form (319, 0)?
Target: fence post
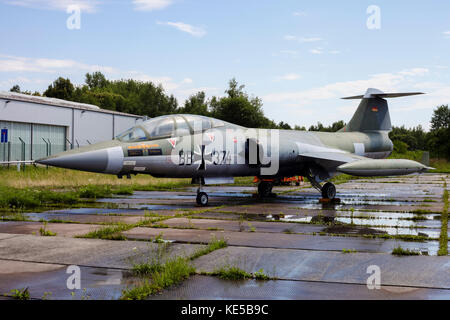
(50, 147)
(71, 145)
(9, 152)
(23, 152)
(46, 148)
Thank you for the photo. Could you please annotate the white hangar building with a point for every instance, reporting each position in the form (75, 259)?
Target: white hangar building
(33, 127)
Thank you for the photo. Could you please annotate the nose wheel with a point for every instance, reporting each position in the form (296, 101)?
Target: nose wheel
(202, 198)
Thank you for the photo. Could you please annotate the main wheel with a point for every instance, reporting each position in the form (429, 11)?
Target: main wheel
(329, 191)
(202, 199)
(264, 189)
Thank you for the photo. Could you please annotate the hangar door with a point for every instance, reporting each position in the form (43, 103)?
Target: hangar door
(48, 140)
(25, 141)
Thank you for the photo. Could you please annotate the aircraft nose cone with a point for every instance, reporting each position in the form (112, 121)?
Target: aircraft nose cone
(104, 161)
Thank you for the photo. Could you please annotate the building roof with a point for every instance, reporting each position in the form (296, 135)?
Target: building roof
(59, 103)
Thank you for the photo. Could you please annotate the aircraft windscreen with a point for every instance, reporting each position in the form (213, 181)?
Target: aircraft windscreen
(132, 135)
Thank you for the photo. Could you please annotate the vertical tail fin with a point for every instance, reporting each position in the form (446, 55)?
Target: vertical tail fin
(373, 112)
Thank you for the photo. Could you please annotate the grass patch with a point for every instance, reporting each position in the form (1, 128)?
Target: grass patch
(215, 244)
(441, 165)
(153, 264)
(443, 237)
(58, 178)
(171, 273)
(235, 273)
(46, 233)
(399, 251)
(348, 251)
(232, 273)
(260, 275)
(19, 199)
(110, 232)
(20, 294)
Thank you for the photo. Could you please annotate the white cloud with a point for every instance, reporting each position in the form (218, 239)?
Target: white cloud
(415, 72)
(447, 33)
(62, 5)
(335, 52)
(195, 31)
(150, 5)
(316, 51)
(302, 39)
(289, 77)
(23, 64)
(289, 37)
(299, 13)
(383, 81)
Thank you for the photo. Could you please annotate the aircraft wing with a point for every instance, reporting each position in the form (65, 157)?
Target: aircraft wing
(337, 158)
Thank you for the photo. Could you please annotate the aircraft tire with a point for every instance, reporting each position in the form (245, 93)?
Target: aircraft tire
(264, 189)
(202, 199)
(329, 191)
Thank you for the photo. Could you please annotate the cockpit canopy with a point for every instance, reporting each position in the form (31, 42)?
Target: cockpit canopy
(170, 126)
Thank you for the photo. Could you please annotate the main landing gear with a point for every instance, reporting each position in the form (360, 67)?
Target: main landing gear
(265, 189)
(328, 190)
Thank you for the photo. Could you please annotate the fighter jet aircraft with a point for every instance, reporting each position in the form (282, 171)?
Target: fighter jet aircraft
(212, 151)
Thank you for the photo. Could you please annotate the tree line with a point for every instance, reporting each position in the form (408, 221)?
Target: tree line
(237, 106)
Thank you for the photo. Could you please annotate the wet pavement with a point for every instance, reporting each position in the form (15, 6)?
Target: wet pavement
(310, 249)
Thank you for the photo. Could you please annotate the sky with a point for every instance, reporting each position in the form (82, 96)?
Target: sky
(299, 57)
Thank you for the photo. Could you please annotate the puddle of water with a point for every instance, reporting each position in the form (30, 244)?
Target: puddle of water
(377, 222)
(431, 233)
(289, 218)
(387, 215)
(94, 211)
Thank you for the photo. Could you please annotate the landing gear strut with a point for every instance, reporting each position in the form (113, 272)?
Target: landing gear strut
(265, 189)
(328, 190)
(202, 197)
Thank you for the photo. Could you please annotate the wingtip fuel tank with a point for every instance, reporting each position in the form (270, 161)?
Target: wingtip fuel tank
(382, 167)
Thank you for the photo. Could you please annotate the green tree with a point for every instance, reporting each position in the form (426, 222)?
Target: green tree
(60, 88)
(96, 80)
(196, 104)
(439, 136)
(15, 88)
(441, 118)
(239, 108)
(284, 126)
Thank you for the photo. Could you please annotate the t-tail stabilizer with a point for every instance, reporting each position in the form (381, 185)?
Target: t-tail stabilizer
(373, 112)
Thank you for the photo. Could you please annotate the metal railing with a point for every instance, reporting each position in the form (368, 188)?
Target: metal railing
(25, 153)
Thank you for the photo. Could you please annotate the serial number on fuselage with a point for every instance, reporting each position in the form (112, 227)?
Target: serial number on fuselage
(216, 157)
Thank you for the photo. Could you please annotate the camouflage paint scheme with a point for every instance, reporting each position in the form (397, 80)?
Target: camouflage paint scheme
(223, 150)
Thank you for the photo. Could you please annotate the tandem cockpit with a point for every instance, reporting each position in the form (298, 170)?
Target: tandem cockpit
(176, 125)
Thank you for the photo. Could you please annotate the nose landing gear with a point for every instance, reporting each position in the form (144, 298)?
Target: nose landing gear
(202, 198)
